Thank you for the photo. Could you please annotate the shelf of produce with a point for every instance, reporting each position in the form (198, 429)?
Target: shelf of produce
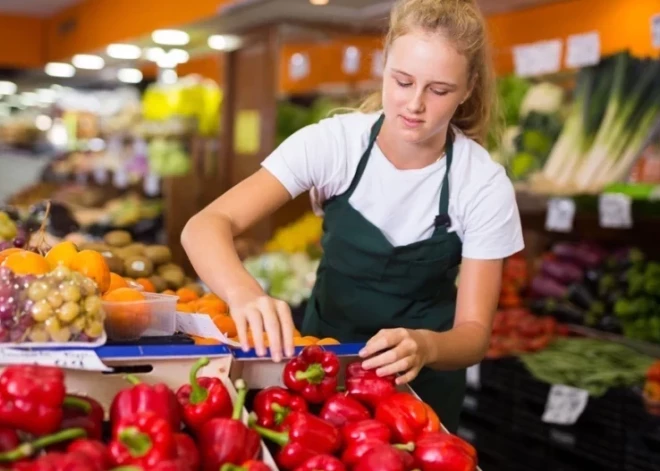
(646, 348)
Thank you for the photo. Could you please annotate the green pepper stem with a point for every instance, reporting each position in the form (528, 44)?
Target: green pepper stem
(25, 450)
(132, 379)
(341, 388)
(137, 443)
(278, 409)
(72, 402)
(279, 438)
(198, 394)
(410, 446)
(314, 374)
(232, 467)
(241, 388)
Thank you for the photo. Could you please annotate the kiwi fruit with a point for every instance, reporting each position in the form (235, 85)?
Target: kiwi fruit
(95, 246)
(159, 283)
(115, 264)
(169, 266)
(138, 266)
(136, 248)
(118, 238)
(174, 277)
(159, 254)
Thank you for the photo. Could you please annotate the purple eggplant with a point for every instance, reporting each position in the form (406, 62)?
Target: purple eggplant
(545, 287)
(625, 258)
(563, 271)
(585, 255)
(563, 311)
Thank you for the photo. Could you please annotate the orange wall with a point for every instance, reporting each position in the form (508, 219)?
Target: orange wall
(97, 23)
(21, 42)
(622, 24)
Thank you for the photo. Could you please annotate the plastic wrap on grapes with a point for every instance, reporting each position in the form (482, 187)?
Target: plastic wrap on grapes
(61, 306)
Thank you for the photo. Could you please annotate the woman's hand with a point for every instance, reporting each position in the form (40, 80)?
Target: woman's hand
(264, 314)
(403, 352)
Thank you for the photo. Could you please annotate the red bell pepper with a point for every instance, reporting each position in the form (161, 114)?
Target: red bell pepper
(304, 436)
(312, 374)
(251, 465)
(273, 404)
(653, 373)
(366, 386)
(186, 450)
(440, 451)
(32, 398)
(27, 449)
(176, 464)
(407, 416)
(143, 439)
(140, 397)
(8, 439)
(86, 413)
(322, 463)
(369, 429)
(59, 461)
(223, 441)
(203, 399)
(341, 409)
(94, 449)
(384, 457)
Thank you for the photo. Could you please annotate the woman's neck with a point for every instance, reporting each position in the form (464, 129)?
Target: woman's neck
(409, 155)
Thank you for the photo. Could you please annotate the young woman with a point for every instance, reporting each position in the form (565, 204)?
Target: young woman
(408, 194)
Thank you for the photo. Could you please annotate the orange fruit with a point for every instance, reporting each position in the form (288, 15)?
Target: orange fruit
(209, 296)
(169, 291)
(328, 341)
(26, 263)
(7, 252)
(204, 340)
(186, 295)
(225, 324)
(126, 317)
(116, 282)
(296, 333)
(146, 284)
(93, 265)
(61, 254)
(180, 307)
(301, 341)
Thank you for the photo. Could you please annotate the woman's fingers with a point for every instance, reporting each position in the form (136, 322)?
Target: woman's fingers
(255, 319)
(242, 330)
(272, 327)
(286, 323)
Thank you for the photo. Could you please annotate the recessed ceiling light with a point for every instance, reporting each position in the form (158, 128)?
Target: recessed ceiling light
(29, 98)
(124, 51)
(168, 76)
(153, 54)
(60, 69)
(170, 37)
(129, 75)
(47, 95)
(179, 56)
(224, 42)
(319, 2)
(88, 61)
(7, 88)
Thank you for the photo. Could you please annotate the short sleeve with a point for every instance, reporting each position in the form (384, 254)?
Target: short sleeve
(307, 159)
(492, 228)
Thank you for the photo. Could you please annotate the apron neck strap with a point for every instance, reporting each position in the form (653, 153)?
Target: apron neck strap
(444, 191)
(375, 129)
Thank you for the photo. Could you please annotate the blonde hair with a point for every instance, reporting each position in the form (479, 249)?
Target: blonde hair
(462, 23)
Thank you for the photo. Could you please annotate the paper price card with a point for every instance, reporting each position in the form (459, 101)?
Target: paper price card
(201, 325)
(655, 30)
(583, 50)
(539, 58)
(66, 359)
(615, 211)
(565, 405)
(560, 215)
(473, 376)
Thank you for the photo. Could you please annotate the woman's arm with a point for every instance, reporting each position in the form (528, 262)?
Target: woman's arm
(208, 239)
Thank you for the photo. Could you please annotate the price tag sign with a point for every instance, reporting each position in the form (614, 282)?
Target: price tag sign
(655, 30)
(151, 185)
(473, 376)
(565, 405)
(120, 178)
(100, 175)
(67, 359)
(583, 50)
(298, 66)
(615, 211)
(377, 63)
(351, 61)
(539, 58)
(201, 325)
(560, 215)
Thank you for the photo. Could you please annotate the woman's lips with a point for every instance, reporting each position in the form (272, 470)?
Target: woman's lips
(411, 122)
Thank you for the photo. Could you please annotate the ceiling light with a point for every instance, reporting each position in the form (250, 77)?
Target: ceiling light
(153, 54)
(7, 88)
(170, 37)
(319, 2)
(224, 42)
(46, 95)
(168, 76)
(88, 61)
(179, 56)
(43, 122)
(124, 51)
(29, 98)
(166, 62)
(60, 69)
(129, 75)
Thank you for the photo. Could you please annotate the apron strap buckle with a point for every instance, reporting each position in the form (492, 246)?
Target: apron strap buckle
(442, 220)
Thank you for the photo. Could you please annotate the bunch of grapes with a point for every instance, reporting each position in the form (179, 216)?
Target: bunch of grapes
(61, 306)
(14, 327)
(11, 233)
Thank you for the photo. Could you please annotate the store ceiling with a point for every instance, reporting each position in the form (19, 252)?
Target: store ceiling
(36, 8)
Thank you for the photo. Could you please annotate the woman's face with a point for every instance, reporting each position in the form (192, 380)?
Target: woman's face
(424, 81)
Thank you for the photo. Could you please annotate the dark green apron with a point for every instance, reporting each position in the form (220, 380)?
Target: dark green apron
(365, 284)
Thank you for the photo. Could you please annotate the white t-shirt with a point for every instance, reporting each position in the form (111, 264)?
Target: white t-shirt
(323, 157)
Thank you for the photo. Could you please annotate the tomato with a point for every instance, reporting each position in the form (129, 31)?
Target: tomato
(530, 327)
(549, 324)
(653, 374)
(539, 343)
(563, 330)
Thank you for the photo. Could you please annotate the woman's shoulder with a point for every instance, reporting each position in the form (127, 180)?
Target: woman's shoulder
(473, 162)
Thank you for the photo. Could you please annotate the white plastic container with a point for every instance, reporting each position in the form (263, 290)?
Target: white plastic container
(154, 316)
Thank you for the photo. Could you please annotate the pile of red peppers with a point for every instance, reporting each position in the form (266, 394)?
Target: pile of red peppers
(311, 424)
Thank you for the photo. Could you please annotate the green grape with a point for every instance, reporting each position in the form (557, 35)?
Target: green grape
(38, 291)
(70, 292)
(42, 311)
(55, 299)
(94, 329)
(38, 334)
(78, 325)
(61, 273)
(52, 325)
(68, 312)
(61, 335)
(93, 305)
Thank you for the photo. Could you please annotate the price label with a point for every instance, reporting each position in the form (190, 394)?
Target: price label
(560, 215)
(615, 211)
(120, 178)
(470, 402)
(351, 61)
(583, 50)
(539, 58)
(377, 63)
(298, 66)
(466, 434)
(473, 376)
(68, 359)
(565, 405)
(100, 175)
(201, 325)
(655, 30)
(151, 185)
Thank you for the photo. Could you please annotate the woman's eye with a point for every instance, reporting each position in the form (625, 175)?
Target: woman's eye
(440, 92)
(403, 84)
